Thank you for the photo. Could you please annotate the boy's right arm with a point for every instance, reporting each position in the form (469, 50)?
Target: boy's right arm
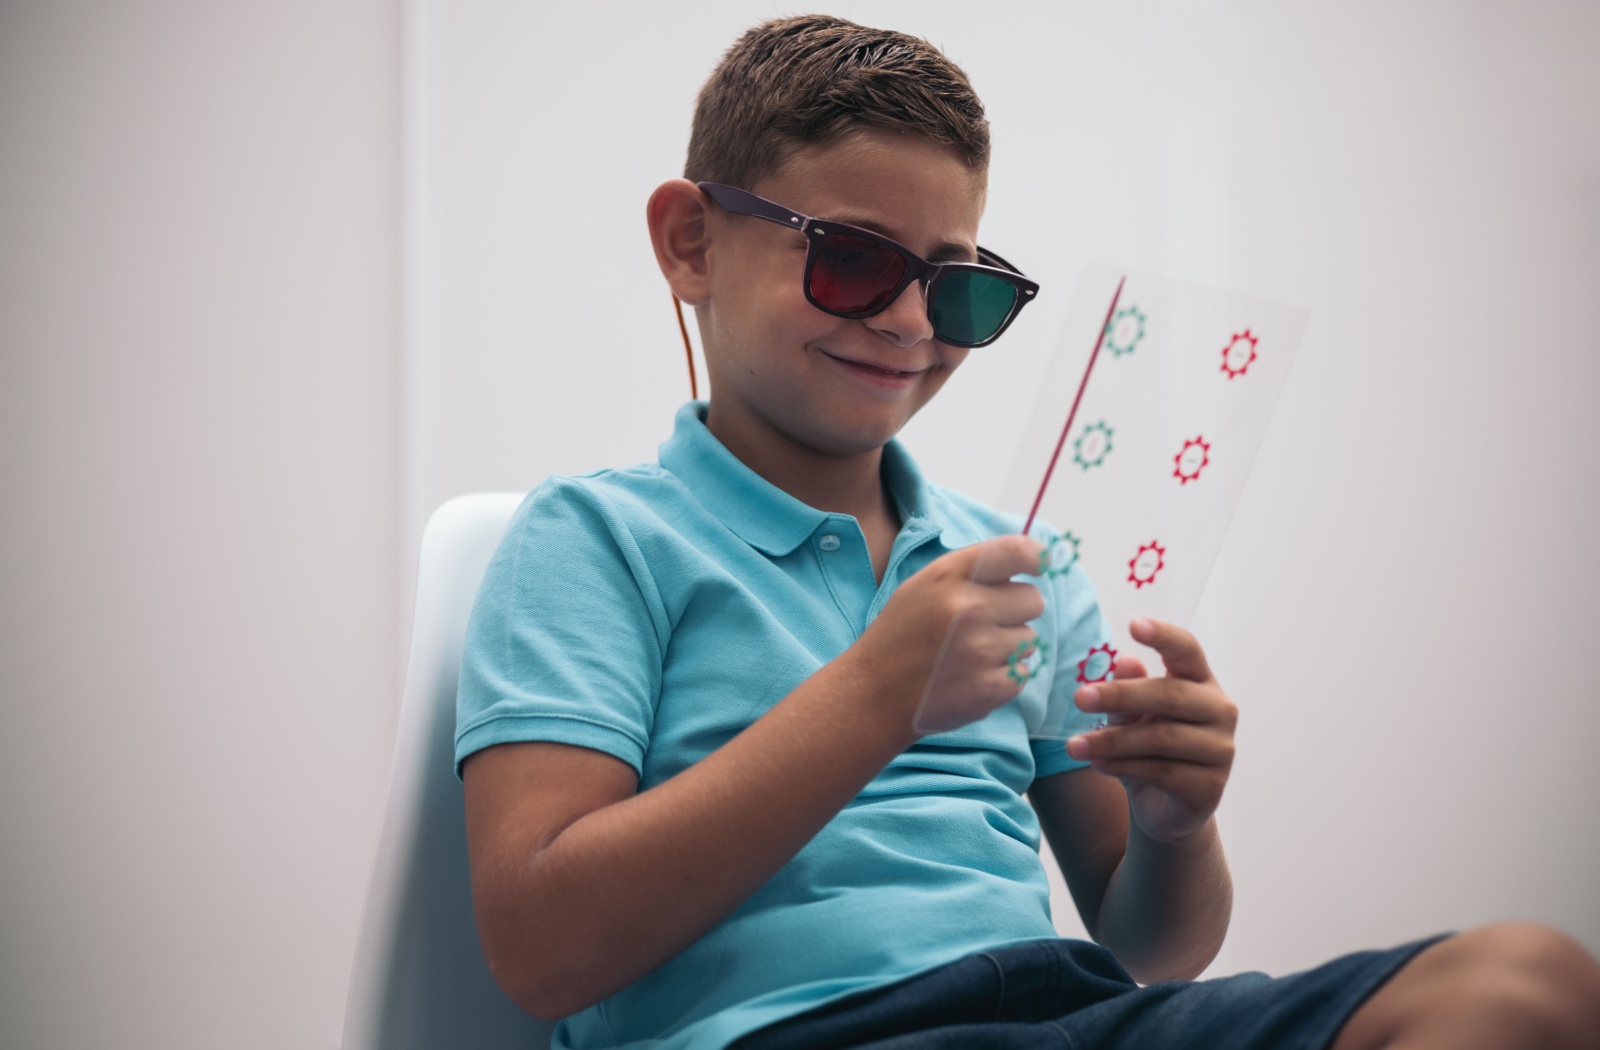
(582, 885)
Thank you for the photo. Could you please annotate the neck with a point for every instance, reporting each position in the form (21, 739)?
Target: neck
(839, 484)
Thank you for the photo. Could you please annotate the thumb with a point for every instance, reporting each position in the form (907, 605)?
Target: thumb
(999, 559)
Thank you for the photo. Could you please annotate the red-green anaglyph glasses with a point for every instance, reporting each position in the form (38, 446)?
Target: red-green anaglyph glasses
(855, 273)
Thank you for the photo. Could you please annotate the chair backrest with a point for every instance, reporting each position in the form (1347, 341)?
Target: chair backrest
(420, 981)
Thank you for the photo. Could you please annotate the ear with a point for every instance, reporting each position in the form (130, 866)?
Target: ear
(679, 231)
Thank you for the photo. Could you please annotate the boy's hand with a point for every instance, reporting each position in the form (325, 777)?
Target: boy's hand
(1170, 739)
(946, 637)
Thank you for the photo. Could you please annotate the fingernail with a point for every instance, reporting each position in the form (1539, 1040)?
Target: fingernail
(1140, 625)
(1078, 747)
(1088, 698)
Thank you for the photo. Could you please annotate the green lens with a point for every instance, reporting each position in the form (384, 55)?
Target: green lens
(971, 307)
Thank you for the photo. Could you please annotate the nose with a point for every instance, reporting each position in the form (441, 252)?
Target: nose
(905, 321)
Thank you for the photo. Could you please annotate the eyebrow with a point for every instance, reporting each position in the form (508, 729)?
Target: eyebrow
(947, 250)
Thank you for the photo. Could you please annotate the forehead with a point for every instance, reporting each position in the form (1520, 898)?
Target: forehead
(915, 191)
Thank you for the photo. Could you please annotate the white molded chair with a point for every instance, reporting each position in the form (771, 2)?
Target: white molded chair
(420, 981)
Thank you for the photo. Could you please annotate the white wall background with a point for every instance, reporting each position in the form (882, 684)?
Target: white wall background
(222, 424)
(199, 503)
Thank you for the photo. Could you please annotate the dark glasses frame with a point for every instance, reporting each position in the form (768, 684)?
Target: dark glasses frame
(742, 202)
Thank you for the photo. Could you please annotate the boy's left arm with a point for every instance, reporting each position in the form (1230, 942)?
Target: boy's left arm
(1135, 834)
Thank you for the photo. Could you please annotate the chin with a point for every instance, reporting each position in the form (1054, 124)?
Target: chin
(854, 437)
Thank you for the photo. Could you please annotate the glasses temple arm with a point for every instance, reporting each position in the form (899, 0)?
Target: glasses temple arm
(743, 202)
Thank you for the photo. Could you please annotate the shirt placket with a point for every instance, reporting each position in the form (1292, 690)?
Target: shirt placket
(846, 567)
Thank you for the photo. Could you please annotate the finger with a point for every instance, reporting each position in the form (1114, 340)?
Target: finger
(1175, 698)
(1179, 649)
(1175, 741)
(999, 559)
(1193, 783)
(1013, 604)
(1018, 641)
(1011, 666)
(994, 649)
(1127, 668)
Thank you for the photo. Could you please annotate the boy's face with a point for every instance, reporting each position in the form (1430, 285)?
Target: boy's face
(783, 370)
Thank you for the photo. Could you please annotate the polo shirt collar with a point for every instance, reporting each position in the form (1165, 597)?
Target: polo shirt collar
(757, 511)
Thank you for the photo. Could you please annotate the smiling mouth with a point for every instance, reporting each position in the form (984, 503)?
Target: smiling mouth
(876, 369)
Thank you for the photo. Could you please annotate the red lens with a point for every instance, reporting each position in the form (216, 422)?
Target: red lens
(852, 275)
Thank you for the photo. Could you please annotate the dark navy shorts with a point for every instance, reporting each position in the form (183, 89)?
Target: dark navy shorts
(1074, 995)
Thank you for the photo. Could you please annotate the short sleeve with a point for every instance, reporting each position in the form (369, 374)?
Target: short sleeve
(1079, 627)
(565, 638)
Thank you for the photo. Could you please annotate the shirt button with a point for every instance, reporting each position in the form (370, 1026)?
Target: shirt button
(829, 542)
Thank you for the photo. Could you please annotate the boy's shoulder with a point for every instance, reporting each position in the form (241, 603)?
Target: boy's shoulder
(650, 513)
(642, 488)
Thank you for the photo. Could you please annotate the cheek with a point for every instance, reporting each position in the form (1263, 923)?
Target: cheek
(766, 287)
(952, 357)
(743, 307)
(784, 278)
(751, 266)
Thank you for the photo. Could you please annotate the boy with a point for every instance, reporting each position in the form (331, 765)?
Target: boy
(698, 811)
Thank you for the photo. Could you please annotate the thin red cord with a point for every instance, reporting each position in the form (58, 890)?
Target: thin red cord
(1100, 337)
(694, 383)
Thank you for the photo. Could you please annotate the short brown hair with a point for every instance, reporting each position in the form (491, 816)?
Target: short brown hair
(793, 82)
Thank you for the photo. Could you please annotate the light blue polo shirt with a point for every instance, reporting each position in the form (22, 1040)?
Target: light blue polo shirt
(653, 613)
